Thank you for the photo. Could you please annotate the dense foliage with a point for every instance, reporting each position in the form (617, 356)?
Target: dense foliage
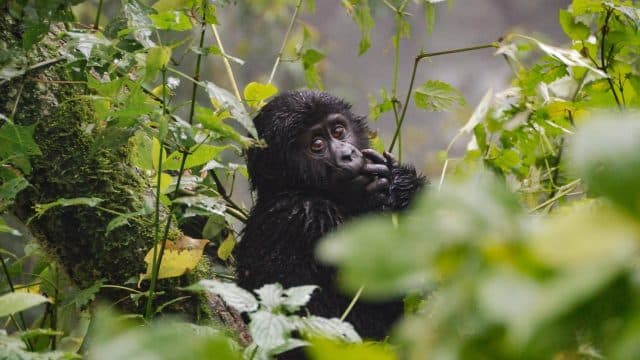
(526, 246)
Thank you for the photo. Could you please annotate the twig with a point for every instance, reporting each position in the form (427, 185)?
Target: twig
(284, 42)
(352, 303)
(418, 58)
(37, 66)
(227, 65)
(603, 56)
(96, 24)
(223, 192)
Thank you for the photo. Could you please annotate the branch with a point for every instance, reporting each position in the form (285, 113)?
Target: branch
(284, 42)
(413, 77)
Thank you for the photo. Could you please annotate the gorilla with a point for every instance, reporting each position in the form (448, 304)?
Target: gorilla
(316, 172)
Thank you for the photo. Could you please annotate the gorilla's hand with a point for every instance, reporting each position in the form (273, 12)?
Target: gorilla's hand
(377, 170)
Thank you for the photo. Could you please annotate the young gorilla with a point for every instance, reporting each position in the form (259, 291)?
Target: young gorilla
(316, 172)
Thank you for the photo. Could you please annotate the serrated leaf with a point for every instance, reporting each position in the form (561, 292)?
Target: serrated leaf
(15, 302)
(436, 95)
(255, 93)
(270, 295)
(269, 330)
(235, 296)
(85, 296)
(575, 30)
(225, 100)
(332, 328)
(298, 296)
(569, 57)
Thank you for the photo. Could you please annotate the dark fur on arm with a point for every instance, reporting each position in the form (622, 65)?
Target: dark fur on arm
(405, 183)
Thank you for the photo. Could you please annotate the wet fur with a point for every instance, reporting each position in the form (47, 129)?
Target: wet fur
(296, 206)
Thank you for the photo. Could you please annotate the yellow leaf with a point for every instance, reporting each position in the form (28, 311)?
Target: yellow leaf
(179, 257)
(29, 289)
(226, 247)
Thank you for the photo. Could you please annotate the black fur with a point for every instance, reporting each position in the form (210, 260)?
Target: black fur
(296, 206)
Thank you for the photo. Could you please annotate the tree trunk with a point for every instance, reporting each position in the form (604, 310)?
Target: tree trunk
(76, 161)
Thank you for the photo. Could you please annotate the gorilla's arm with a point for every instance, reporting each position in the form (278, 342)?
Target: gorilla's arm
(405, 183)
(402, 181)
(279, 240)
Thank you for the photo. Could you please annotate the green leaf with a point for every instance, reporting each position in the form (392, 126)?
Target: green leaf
(605, 153)
(206, 204)
(298, 296)
(171, 20)
(233, 295)
(83, 297)
(11, 188)
(226, 101)
(575, 30)
(436, 95)
(157, 59)
(268, 330)
(313, 326)
(42, 208)
(361, 13)
(168, 5)
(15, 302)
(255, 93)
(17, 139)
(200, 154)
(581, 7)
(324, 349)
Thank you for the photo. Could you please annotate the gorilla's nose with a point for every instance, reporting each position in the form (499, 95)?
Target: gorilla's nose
(348, 155)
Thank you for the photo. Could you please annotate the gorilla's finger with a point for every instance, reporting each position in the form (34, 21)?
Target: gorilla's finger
(391, 160)
(376, 169)
(373, 156)
(377, 185)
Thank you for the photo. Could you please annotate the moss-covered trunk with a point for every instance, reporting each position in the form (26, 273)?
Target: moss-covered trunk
(74, 164)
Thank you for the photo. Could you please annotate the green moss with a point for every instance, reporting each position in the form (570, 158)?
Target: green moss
(79, 160)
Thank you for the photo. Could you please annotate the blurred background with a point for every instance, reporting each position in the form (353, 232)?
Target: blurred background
(253, 30)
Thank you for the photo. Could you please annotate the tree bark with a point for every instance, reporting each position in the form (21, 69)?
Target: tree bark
(78, 161)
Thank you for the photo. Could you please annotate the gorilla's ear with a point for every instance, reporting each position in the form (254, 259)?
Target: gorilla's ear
(260, 168)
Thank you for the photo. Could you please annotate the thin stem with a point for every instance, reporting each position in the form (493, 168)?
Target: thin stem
(223, 192)
(352, 303)
(566, 189)
(396, 66)
(96, 24)
(227, 65)
(185, 154)
(284, 41)
(155, 261)
(413, 77)
(603, 56)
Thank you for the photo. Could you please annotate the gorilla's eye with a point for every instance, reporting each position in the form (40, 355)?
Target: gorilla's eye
(317, 145)
(338, 132)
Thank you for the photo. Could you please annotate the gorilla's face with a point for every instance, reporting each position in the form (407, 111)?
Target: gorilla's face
(329, 146)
